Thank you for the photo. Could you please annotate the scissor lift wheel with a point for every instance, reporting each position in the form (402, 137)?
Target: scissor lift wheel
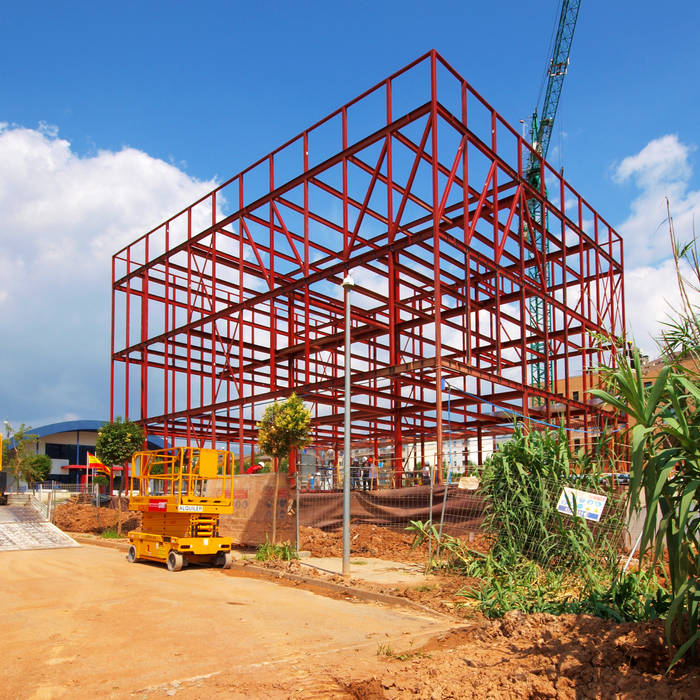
(131, 554)
(224, 560)
(175, 561)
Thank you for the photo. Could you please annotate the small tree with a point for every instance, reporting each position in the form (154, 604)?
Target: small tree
(36, 468)
(116, 443)
(284, 427)
(16, 452)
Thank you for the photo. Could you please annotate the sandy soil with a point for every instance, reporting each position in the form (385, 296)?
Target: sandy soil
(536, 656)
(302, 648)
(85, 623)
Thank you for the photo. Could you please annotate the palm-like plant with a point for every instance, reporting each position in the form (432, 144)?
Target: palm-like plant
(664, 440)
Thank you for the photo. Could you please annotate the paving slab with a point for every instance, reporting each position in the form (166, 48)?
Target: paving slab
(22, 527)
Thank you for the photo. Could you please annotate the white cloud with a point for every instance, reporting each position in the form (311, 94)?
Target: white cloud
(662, 160)
(652, 295)
(662, 169)
(61, 218)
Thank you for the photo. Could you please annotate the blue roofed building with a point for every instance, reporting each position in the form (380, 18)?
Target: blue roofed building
(67, 444)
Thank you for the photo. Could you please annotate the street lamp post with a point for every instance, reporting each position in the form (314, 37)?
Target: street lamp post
(348, 283)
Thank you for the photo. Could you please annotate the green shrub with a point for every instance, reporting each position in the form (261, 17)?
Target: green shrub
(110, 534)
(267, 551)
(522, 483)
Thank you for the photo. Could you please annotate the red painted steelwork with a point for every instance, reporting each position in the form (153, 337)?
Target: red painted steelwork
(417, 188)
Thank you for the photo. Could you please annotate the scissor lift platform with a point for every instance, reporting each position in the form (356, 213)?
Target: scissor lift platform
(181, 492)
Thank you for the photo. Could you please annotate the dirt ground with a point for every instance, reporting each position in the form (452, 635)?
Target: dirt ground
(534, 656)
(83, 623)
(302, 648)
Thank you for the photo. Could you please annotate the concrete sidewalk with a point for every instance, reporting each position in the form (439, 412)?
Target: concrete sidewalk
(372, 570)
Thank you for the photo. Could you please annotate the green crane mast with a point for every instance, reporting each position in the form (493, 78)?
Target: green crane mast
(540, 134)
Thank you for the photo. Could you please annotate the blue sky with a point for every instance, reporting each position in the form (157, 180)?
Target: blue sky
(95, 95)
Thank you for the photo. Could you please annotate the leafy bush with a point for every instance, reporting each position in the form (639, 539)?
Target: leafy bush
(542, 560)
(36, 468)
(284, 426)
(110, 534)
(15, 452)
(665, 468)
(526, 586)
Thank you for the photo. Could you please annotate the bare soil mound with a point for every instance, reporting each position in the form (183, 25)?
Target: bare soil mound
(374, 541)
(533, 656)
(80, 517)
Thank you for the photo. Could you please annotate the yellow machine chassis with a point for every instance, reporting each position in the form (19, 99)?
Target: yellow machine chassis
(151, 547)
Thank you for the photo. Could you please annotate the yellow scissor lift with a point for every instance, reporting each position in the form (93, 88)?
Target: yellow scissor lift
(181, 492)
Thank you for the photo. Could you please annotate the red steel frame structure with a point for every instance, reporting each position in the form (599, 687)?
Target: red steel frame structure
(418, 189)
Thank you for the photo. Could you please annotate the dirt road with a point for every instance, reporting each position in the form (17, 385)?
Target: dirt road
(83, 622)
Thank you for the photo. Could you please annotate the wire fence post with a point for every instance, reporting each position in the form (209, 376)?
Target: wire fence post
(446, 482)
(430, 518)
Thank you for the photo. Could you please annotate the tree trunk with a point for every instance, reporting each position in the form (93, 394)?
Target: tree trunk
(274, 502)
(119, 514)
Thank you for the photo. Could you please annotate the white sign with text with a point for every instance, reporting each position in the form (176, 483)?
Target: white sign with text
(588, 505)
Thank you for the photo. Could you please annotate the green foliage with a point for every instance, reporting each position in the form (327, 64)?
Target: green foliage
(665, 470)
(421, 532)
(267, 551)
(110, 534)
(514, 582)
(542, 560)
(527, 586)
(665, 450)
(36, 468)
(117, 441)
(631, 596)
(101, 480)
(522, 483)
(16, 453)
(456, 555)
(284, 426)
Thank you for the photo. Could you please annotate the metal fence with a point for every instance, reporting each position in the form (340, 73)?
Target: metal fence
(59, 486)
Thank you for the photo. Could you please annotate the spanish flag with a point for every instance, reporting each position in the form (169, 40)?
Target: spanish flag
(96, 464)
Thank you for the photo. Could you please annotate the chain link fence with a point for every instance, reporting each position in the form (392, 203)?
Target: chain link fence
(551, 523)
